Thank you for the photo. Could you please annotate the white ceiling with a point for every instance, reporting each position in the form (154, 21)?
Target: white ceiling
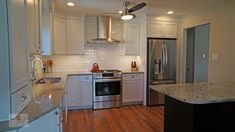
(180, 7)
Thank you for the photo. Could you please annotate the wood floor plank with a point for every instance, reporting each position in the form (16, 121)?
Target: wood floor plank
(136, 118)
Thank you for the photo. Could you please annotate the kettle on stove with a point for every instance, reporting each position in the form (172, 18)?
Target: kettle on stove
(95, 67)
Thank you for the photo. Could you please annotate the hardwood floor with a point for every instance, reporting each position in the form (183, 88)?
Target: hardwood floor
(137, 118)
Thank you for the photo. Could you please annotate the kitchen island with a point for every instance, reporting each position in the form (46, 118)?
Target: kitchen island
(199, 107)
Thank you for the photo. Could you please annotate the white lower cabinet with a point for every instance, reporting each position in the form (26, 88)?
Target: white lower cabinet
(86, 94)
(47, 123)
(79, 92)
(133, 88)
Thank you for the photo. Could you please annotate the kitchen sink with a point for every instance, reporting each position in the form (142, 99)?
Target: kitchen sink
(48, 80)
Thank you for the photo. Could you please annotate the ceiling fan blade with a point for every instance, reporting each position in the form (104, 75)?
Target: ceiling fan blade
(137, 7)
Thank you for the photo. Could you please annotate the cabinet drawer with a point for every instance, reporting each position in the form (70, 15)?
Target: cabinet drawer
(136, 76)
(20, 99)
(85, 78)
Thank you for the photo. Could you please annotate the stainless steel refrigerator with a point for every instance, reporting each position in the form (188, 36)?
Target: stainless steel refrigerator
(161, 67)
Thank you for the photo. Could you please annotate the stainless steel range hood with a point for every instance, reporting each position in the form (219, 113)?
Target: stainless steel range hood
(103, 31)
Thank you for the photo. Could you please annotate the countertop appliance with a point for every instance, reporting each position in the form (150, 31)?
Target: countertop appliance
(107, 89)
(161, 66)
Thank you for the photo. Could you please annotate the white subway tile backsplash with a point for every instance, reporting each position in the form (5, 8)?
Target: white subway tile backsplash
(107, 56)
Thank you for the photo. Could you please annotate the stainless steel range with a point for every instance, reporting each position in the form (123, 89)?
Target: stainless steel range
(107, 89)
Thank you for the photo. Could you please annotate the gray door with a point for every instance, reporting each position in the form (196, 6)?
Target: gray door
(197, 54)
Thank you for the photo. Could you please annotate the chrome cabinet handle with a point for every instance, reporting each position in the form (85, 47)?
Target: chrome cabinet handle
(23, 98)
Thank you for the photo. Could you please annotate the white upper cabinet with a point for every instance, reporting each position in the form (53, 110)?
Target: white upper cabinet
(18, 44)
(68, 36)
(4, 64)
(116, 29)
(46, 33)
(34, 26)
(14, 58)
(131, 36)
(169, 30)
(75, 33)
(59, 35)
(47, 9)
(90, 28)
(162, 29)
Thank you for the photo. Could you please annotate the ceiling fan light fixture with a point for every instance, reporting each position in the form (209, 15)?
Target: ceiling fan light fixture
(70, 4)
(170, 12)
(127, 17)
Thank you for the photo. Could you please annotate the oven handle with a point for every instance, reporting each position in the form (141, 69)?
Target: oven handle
(107, 80)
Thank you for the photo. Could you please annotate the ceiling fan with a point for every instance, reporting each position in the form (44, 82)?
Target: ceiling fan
(127, 14)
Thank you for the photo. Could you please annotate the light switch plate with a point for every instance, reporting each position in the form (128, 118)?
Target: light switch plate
(214, 56)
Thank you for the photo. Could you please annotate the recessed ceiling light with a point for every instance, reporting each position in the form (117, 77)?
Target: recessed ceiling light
(70, 4)
(120, 12)
(170, 12)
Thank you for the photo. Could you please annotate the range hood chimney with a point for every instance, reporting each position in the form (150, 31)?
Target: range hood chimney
(103, 31)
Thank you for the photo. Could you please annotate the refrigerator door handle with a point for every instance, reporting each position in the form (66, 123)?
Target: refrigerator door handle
(163, 59)
(166, 57)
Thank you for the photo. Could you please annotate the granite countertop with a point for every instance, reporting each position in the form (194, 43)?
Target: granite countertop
(45, 98)
(199, 93)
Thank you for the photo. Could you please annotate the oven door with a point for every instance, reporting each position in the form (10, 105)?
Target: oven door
(107, 89)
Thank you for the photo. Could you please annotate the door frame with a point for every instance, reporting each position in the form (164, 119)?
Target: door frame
(183, 74)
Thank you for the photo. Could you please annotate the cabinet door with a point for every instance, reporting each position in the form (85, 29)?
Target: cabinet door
(116, 29)
(34, 27)
(48, 123)
(133, 87)
(155, 30)
(90, 28)
(132, 39)
(59, 35)
(132, 91)
(74, 92)
(4, 66)
(18, 44)
(75, 37)
(86, 94)
(46, 32)
(169, 30)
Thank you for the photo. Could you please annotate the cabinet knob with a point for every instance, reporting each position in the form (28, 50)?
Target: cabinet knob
(132, 76)
(56, 112)
(23, 98)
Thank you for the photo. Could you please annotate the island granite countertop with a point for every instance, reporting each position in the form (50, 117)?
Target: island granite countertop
(199, 93)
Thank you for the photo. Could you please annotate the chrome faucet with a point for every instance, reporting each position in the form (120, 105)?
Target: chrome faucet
(34, 78)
